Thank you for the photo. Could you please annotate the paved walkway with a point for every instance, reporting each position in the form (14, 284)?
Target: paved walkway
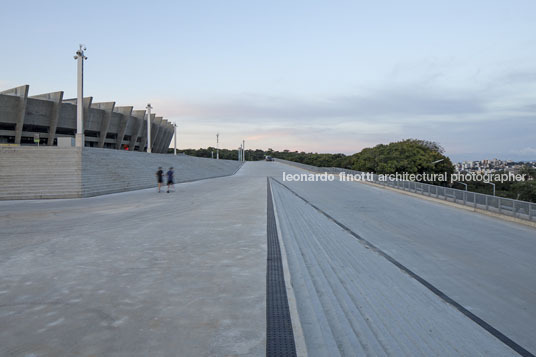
(352, 301)
(138, 273)
(184, 274)
(485, 264)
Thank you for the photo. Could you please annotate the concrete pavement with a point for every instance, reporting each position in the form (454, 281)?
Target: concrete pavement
(184, 274)
(483, 263)
(354, 302)
(138, 273)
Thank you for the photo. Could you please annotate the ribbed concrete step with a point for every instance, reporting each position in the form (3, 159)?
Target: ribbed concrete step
(93, 171)
(353, 301)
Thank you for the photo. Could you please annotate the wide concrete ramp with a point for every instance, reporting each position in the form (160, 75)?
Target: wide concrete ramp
(483, 263)
(354, 302)
(367, 271)
(137, 273)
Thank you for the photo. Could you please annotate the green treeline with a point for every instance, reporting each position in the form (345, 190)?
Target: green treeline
(412, 156)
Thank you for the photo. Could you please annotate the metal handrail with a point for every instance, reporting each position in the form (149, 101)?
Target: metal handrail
(506, 206)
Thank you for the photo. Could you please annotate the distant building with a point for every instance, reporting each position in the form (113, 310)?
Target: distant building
(24, 120)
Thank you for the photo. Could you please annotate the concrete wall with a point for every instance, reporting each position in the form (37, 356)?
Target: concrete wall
(51, 172)
(105, 124)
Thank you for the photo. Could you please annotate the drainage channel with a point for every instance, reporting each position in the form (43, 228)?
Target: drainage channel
(279, 334)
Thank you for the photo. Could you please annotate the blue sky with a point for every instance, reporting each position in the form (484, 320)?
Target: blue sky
(323, 76)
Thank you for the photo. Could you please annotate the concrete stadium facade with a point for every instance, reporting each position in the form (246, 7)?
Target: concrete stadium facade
(51, 116)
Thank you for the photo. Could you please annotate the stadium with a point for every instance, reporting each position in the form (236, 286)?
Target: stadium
(43, 119)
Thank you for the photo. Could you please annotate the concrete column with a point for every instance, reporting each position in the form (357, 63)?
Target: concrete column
(155, 128)
(22, 93)
(147, 121)
(162, 133)
(86, 103)
(170, 130)
(137, 116)
(143, 135)
(149, 128)
(159, 134)
(56, 98)
(108, 108)
(80, 112)
(165, 138)
(172, 133)
(151, 133)
(175, 139)
(126, 112)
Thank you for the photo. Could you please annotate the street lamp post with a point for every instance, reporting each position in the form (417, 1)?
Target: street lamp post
(217, 146)
(462, 183)
(149, 107)
(243, 150)
(80, 57)
(175, 139)
(491, 183)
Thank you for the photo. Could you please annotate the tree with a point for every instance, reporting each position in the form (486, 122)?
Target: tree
(525, 191)
(412, 156)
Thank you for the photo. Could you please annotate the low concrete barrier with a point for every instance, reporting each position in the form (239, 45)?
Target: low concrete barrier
(55, 172)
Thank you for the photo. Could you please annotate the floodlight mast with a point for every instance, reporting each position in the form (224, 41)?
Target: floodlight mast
(175, 139)
(149, 107)
(80, 57)
(217, 146)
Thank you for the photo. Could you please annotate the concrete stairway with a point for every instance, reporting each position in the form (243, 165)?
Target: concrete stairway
(52, 172)
(108, 171)
(47, 172)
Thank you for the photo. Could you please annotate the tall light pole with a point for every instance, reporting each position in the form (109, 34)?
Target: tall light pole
(491, 183)
(80, 57)
(149, 127)
(217, 146)
(243, 150)
(175, 139)
(462, 183)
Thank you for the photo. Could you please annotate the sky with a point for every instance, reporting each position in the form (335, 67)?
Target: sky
(315, 76)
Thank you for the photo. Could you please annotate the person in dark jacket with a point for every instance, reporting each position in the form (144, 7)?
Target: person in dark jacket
(170, 181)
(159, 178)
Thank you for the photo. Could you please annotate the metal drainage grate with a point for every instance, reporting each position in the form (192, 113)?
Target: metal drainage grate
(279, 335)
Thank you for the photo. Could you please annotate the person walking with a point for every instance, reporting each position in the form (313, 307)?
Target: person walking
(159, 178)
(170, 181)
